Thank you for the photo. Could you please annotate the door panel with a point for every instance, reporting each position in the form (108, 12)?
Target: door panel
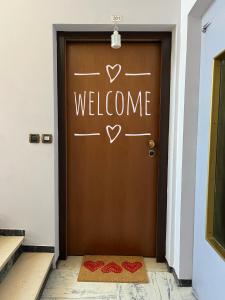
(111, 179)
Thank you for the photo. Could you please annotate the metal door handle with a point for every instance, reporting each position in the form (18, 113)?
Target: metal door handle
(151, 144)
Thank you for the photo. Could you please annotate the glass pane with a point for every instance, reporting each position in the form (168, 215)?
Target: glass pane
(219, 200)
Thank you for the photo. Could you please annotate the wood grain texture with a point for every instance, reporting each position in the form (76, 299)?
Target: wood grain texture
(164, 38)
(112, 187)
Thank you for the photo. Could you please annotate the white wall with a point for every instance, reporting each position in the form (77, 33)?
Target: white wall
(28, 172)
(209, 267)
(179, 252)
(186, 127)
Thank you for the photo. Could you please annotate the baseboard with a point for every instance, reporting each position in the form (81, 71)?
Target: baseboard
(55, 264)
(179, 282)
(12, 232)
(31, 248)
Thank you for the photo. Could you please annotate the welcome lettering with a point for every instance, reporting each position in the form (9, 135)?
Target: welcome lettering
(90, 103)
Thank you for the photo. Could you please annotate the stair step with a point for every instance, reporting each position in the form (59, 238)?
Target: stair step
(25, 279)
(8, 246)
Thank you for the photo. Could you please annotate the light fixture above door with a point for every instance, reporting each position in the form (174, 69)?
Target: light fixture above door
(116, 37)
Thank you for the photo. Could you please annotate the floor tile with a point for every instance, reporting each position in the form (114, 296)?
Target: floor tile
(62, 285)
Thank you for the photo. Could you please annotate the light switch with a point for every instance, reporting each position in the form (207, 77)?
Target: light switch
(34, 138)
(46, 138)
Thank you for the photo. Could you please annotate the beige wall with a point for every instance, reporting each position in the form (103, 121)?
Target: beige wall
(28, 96)
(28, 172)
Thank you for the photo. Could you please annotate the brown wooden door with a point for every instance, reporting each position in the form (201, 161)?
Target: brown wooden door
(113, 107)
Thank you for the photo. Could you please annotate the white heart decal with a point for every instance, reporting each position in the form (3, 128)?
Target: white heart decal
(113, 132)
(110, 69)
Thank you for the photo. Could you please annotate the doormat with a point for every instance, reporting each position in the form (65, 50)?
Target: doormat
(100, 268)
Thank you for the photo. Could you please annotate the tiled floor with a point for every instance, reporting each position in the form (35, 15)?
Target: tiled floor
(62, 285)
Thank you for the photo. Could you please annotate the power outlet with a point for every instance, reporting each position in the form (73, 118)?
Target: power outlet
(46, 138)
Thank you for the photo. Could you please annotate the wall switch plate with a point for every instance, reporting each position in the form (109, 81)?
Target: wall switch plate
(116, 18)
(34, 138)
(46, 138)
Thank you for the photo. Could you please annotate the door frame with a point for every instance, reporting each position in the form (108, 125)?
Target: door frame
(63, 37)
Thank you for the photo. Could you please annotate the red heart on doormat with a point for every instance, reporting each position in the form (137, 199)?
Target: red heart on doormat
(93, 265)
(132, 266)
(112, 267)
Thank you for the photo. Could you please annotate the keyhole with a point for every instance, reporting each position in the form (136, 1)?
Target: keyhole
(151, 152)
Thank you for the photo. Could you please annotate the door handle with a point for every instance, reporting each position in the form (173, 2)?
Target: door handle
(151, 144)
(152, 150)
